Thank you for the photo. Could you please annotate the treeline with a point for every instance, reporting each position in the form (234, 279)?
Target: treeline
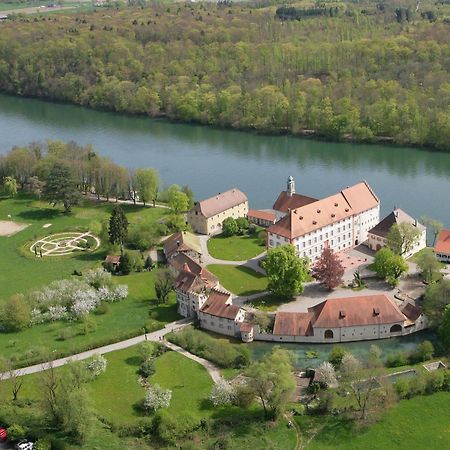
(292, 13)
(362, 77)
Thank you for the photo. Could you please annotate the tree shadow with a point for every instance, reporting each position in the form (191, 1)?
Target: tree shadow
(39, 214)
(134, 361)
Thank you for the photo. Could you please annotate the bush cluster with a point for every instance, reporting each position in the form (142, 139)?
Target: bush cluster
(427, 383)
(220, 352)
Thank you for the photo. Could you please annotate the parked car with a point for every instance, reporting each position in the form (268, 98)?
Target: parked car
(24, 445)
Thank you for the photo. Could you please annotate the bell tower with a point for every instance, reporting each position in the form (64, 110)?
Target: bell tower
(290, 186)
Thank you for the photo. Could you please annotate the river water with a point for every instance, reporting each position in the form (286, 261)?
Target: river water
(213, 160)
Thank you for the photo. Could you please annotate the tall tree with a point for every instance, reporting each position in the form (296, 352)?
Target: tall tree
(61, 187)
(429, 265)
(328, 269)
(10, 186)
(148, 184)
(178, 200)
(163, 286)
(272, 381)
(434, 225)
(118, 227)
(402, 238)
(285, 270)
(389, 265)
(437, 297)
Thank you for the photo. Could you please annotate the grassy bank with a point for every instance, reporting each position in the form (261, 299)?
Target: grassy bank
(235, 248)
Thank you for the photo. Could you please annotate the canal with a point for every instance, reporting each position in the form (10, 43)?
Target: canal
(212, 160)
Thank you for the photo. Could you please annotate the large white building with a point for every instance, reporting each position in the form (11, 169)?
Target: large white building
(378, 234)
(340, 221)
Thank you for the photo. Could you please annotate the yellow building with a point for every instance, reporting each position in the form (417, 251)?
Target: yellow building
(207, 216)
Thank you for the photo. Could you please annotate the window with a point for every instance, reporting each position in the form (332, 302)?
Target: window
(396, 328)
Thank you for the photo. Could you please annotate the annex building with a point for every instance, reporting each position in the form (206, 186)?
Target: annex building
(339, 221)
(207, 216)
(378, 234)
(442, 246)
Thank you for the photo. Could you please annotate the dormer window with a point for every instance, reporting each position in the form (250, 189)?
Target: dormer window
(314, 222)
(376, 311)
(333, 215)
(341, 314)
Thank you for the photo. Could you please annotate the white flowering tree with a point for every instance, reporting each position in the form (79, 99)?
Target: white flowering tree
(98, 278)
(96, 365)
(326, 373)
(222, 394)
(156, 398)
(350, 366)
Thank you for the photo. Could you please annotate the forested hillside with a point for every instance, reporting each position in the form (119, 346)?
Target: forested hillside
(356, 71)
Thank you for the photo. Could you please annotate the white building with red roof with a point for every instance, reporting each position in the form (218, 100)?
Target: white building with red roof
(442, 246)
(339, 221)
(349, 319)
(218, 314)
(207, 216)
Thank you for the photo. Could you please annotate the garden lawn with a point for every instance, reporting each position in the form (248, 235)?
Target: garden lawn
(268, 303)
(239, 280)
(122, 320)
(235, 248)
(419, 423)
(20, 270)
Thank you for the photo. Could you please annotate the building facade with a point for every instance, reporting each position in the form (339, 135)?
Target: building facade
(339, 222)
(207, 216)
(442, 246)
(377, 236)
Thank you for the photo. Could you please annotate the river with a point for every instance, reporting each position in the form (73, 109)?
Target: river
(212, 160)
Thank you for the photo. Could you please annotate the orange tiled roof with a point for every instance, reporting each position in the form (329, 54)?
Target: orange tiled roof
(293, 324)
(217, 305)
(443, 242)
(221, 202)
(263, 215)
(350, 201)
(286, 202)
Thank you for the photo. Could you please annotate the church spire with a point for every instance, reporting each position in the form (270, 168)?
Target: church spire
(290, 186)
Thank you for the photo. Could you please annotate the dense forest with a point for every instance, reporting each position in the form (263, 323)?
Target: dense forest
(368, 71)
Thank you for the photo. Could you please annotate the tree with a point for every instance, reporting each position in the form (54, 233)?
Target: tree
(437, 297)
(16, 313)
(429, 265)
(15, 379)
(444, 328)
(242, 224)
(60, 187)
(272, 381)
(328, 269)
(389, 266)
(50, 382)
(156, 398)
(35, 186)
(230, 227)
(163, 285)
(286, 272)
(10, 186)
(434, 225)
(190, 195)
(96, 365)
(402, 238)
(326, 373)
(118, 227)
(148, 184)
(425, 351)
(336, 355)
(222, 393)
(178, 200)
(125, 265)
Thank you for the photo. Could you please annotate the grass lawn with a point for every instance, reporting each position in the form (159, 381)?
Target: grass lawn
(123, 319)
(419, 423)
(21, 271)
(239, 280)
(268, 303)
(235, 248)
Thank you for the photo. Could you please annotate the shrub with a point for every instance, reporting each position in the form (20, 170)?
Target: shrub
(424, 352)
(230, 227)
(98, 278)
(156, 398)
(103, 308)
(152, 325)
(222, 394)
(15, 314)
(96, 365)
(125, 266)
(147, 368)
(336, 355)
(16, 432)
(65, 334)
(397, 359)
(170, 428)
(43, 444)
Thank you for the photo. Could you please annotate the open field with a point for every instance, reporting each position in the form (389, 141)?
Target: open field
(235, 248)
(239, 280)
(419, 423)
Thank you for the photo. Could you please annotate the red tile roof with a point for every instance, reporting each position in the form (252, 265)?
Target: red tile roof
(262, 215)
(411, 311)
(293, 324)
(221, 202)
(443, 242)
(217, 305)
(246, 327)
(286, 202)
(181, 261)
(313, 216)
(356, 311)
(112, 259)
(180, 242)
